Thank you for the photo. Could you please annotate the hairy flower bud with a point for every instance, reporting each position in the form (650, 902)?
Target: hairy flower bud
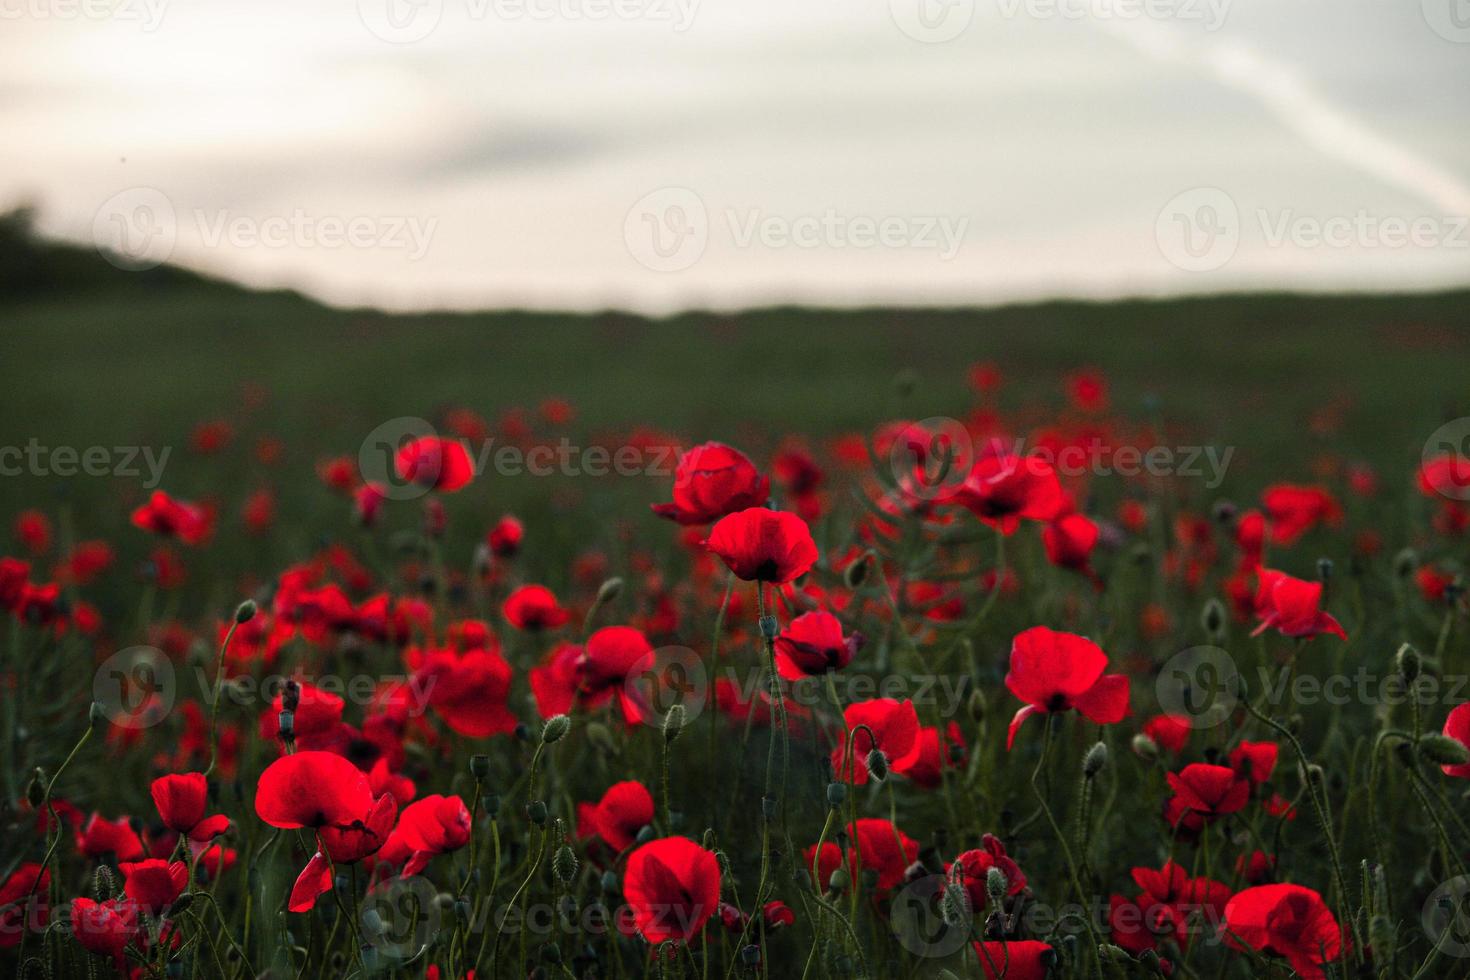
(1407, 662)
(609, 590)
(555, 729)
(878, 765)
(996, 884)
(1095, 760)
(245, 611)
(674, 722)
(1443, 750)
(564, 864)
(1145, 748)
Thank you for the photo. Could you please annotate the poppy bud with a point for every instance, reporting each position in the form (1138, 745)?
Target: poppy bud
(1095, 760)
(609, 590)
(598, 734)
(1443, 750)
(564, 865)
(750, 955)
(536, 812)
(1225, 512)
(480, 766)
(1408, 663)
(286, 722)
(1405, 563)
(769, 627)
(976, 706)
(462, 909)
(555, 728)
(836, 794)
(645, 833)
(104, 886)
(523, 732)
(955, 905)
(610, 882)
(1316, 774)
(1381, 933)
(36, 789)
(291, 696)
(1115, 954)
(839, 880)
(996, 884)
(1324, 569)
(1212, 618)
(1145, 748)
(878, 765)
(856, 571)
(1150, 959)
(96, 715)
(181, 904)
(245, 611)
(674, 722)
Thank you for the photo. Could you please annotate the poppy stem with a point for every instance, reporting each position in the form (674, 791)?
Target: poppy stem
(1062, 840)
(219, 670)
(714, 714)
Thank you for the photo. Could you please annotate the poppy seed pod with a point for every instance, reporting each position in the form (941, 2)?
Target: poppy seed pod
(750, 955)
(674, 722)
(1095, 760)
(836, 794)
(536, 812)
(1407, 662)
(555, 729)
(480, 766)
(1443, 750)
(286, 725)
(770, 629)
(839, 880)
(609, 590)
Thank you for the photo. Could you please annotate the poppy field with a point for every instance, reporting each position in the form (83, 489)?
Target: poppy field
(718, 648)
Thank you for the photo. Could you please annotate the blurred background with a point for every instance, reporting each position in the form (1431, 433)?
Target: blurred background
(663, 155)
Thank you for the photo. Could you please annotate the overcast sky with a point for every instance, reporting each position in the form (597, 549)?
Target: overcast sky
(662, 154)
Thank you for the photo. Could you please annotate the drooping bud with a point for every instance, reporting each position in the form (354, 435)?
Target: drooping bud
(609, 590)
(976, 706)
(878, 765)
(839, 881)
(555, 729)
(245, 611)
(1405, 563)
(1443, 750)
(955, 904)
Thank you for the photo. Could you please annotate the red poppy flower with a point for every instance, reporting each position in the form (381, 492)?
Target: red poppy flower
(314, 881)
(1256, 868)
(813, 644)
(971, 868)
(468, 691)
(1287, 920)
(367, 502)
(1053, 671)
(625, 809)
(1164, 908)
(154, 884)
(33, 530)
(1026, 959)
(99, 837)
(932, 755)
(534, 607)
(181, 800)
(895, 731)
(1168, 732)
(14, 574)
(555, 682)
(312, 789)
(1292, 510)
(1292, 606)
(777, 915)
(169, 518)
(1069, 541)
(712, 481)
(672, 886)
(431, 826)
(504, 539)
(23, 903)
(363, 837)
(1255, 760)
(1446, 475)
(1209, 791)
(761, 545)
(434, 462)
(105, 928)
(1003, 488)
(883, 848)
(1457, 727)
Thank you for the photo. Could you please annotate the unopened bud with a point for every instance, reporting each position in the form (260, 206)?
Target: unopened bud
(1405, 563)
(856, 572)
(480, 766)
(996, 884)
(976, 706)
(674, 722)
(1443, 750)
(1212, 618)
(1095, 760)
(839, 881)
(1145, 748)
(564, 864)
(878, 765)
(536, 812)
(245, 611)
(1407, 662)
(1324, 569)
(1113, 953)
(555, 729)
(609, 590)
(769, 627)
(286, 725)
(955, 905)
(96, 715)
(36, 789)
